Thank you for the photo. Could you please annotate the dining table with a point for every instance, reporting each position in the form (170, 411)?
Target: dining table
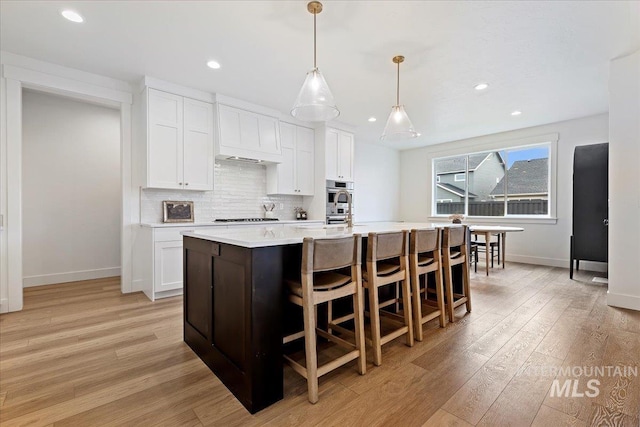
(487, 231)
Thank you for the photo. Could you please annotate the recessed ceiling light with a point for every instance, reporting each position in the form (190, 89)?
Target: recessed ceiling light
(213, 64)
(481, 86)
(516, 113)
(419, 134)
(372, 119)
(72, 15)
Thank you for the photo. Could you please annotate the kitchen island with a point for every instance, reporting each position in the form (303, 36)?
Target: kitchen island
(234, 300)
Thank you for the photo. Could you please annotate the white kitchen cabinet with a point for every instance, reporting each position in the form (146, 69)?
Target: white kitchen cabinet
(295, 174)
(247, 135)
(339, 155)
(167, 265)
(179, 142)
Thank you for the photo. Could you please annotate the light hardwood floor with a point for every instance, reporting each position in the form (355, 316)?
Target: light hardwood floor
(82, 354)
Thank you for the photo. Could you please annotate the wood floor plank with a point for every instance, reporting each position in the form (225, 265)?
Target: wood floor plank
(547, 417)
(443, 418)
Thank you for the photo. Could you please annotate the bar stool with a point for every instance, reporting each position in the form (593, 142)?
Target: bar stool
(424, 258)
(454, 252)
(323, 279)
(387, 263)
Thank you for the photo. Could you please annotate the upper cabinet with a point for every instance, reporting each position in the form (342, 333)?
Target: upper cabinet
(179, 141)
(295, 174)
(339, 155)
(248, 135)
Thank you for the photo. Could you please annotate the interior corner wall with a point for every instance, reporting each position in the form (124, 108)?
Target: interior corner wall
(71, 190)
(624, 182)
(540, 243)
(377, 183)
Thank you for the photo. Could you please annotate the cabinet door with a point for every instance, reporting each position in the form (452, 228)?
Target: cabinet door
(249, 131)
(167, 266)
(304, 161)
(268, 132)
(286, 169)
(229, 126)
(198, 145)
(164, 140)
(345, 156)
(331, 154)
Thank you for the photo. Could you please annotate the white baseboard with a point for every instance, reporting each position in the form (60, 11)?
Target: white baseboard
(601, 267)
(4, 305)
(70, 276)
(631, 302)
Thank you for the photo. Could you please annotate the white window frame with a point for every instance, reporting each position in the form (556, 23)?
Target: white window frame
(468, 147)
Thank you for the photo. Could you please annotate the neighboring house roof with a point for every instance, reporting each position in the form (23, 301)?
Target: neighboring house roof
(456, 164)
(525, 177)
(455, 190)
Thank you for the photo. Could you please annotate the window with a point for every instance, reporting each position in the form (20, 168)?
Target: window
(505, 182)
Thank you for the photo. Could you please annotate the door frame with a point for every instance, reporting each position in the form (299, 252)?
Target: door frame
(77, 85)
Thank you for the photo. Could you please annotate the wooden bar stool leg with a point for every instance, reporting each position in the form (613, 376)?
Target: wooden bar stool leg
(467, 289)
(374, 313)
(310, 351)
(406, 308)
(358, 308)
(440, 296)
(449, 289)
(417, 303)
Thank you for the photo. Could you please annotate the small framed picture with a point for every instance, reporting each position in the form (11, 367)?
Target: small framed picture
(177, 211)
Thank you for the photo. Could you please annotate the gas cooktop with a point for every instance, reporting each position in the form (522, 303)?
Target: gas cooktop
(245, 219)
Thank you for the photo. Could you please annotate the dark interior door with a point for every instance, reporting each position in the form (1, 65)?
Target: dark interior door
(590, 202)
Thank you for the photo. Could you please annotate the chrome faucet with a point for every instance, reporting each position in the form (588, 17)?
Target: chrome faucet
(349, 201)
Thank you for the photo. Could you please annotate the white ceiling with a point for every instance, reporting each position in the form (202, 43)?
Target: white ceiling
(548, 59)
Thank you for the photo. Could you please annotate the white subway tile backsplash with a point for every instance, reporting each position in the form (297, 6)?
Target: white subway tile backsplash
(240, 190)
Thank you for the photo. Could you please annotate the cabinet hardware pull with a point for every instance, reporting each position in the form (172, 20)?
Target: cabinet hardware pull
(179, 183)
(186, 183)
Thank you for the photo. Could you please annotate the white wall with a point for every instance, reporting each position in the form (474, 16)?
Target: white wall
(71, 190)
(540, 243)
(624, 182)
(377, 183)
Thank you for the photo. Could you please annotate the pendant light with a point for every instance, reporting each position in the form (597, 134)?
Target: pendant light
(399, 125)
(315, 101)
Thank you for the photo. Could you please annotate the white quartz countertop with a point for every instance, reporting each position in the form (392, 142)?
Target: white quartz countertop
(256, 237)
(226, 224)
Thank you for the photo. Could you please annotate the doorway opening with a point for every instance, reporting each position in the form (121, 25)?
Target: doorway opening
(71, 192)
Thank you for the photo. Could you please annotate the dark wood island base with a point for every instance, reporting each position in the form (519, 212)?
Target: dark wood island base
(233, 309)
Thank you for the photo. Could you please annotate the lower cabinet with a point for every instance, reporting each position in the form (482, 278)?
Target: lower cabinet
(167, 265)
